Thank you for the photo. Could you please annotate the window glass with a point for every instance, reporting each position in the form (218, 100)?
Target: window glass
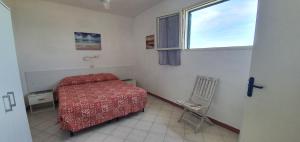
(226, 24)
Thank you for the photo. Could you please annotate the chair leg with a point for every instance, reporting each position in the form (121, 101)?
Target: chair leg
(198, 127)
(184, 111)
(209, 121)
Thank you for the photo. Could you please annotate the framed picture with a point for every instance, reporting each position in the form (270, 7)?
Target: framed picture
(150, 42)
(87, 41)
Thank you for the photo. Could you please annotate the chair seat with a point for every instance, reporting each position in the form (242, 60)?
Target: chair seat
(191, 106)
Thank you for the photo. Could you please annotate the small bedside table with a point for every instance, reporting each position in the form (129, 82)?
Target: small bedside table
(39, 98)
(130, 81)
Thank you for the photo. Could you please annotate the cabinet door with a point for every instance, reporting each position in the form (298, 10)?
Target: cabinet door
(13, 119)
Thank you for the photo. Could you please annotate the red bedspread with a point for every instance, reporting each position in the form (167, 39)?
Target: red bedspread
(89, 104)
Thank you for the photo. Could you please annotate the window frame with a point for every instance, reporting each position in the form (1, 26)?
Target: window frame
(180, 31)
(186, 21)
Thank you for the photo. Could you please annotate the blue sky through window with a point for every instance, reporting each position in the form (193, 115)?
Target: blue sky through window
(231, 23)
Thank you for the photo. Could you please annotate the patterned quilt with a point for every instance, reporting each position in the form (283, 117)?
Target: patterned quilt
(85, 105)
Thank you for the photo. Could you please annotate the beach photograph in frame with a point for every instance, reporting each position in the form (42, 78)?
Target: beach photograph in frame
(87, 41)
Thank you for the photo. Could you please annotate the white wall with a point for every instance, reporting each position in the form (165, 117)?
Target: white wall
(231, 66)
(44, 33)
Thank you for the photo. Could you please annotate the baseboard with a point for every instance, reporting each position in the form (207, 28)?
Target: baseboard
(226, 126)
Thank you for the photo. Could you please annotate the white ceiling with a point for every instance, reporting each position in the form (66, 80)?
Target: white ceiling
(129, 8)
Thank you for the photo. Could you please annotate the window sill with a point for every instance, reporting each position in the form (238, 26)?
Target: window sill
(221, 48)
(162, 49)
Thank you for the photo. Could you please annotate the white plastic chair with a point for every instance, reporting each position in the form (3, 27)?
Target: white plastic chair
(199, 102)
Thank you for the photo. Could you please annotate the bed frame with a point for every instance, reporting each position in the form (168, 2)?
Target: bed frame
(115, 119)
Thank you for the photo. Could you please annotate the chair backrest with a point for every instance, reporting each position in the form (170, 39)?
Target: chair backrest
(204, 90)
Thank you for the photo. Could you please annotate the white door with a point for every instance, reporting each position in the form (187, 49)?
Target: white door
(13, 120)
(272, 114)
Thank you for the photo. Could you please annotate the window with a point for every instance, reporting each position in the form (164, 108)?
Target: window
(221, 23)
(168, 43)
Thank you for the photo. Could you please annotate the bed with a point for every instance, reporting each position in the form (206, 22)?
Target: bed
(89, 100)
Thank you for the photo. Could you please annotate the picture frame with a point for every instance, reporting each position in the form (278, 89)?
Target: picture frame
(87, 41)
(150, 43)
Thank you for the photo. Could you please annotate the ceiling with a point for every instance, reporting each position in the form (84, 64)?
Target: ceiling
(129, 8)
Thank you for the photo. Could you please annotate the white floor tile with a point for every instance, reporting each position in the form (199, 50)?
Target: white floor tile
(113, 139)
(149, 117)
(196, 137)
(45, 125)
(174, 123)
(34, 131)
(137, 136)
(165, 113)
(136, 116)
(230, 138)
(106, 128)
(96, 137)
(162, 120)
(158, 128)
(121, 132)
(40, 137)
(173, 139)
(34, 121)
(53, 129)
(81, 137)
(212, 138)
(129, 123)
(155, 137)
(175, 132)
(157, 124)
(143, 125)
(53, 139)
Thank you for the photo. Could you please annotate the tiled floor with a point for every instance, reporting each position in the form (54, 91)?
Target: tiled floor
(157, 124)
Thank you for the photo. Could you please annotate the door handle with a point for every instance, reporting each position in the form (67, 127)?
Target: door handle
(258, 87)
(251, 85)
(13, 96)
(9, 103)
